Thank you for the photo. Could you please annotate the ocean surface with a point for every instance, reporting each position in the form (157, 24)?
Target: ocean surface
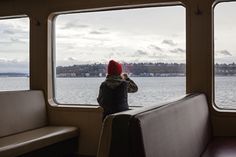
(152, 90)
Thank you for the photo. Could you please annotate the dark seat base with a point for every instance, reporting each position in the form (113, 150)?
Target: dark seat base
(221, 147)
(65, 148)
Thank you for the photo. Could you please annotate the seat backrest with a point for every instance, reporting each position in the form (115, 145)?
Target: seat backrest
(21, 111)
(115, 134)
(114, 140)
(179, 129)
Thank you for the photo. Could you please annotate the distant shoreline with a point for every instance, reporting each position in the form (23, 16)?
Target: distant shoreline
(14, 75)
(131, 76)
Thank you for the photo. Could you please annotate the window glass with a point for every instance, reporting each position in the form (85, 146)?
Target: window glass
(149, 42)
(225, 54)
(14, 54)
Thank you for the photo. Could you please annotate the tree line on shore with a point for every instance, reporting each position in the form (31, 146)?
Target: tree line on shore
(139, 70)
(133, 69)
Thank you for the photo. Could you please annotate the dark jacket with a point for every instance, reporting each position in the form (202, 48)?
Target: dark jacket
(113, 94)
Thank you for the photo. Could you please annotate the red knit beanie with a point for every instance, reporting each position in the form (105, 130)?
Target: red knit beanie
(114, 68)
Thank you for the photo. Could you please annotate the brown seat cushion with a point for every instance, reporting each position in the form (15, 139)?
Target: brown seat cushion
(14, 145)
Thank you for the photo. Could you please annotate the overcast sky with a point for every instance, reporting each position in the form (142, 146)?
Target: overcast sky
(134, 35)
(225, 32)
(14, 45)
(155, 34)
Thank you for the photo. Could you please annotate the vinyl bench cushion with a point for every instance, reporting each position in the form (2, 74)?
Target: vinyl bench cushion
(27, 141)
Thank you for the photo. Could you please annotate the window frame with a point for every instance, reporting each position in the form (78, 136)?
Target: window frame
(216, 107)
(53, 18)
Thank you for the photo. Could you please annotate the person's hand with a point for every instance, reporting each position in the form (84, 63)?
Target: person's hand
(124, 76)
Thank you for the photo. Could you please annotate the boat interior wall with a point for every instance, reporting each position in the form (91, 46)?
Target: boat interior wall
(89, 120)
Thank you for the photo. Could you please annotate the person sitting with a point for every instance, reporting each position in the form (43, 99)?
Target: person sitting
(113, 92)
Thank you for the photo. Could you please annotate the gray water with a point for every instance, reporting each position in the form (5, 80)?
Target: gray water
(152, 90)
(14, 83)
(225, 92)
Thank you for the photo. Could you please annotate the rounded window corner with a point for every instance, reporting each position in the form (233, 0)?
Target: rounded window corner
(53, 16)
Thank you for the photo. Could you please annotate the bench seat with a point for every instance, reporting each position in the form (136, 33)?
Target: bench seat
(177, 129)
(180, 128)
(28, 141)
(25, 130)
(221, 147)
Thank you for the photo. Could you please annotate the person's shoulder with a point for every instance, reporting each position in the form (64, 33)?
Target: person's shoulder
(103, 83)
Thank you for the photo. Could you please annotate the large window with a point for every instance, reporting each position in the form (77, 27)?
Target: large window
(225, 55)
(14, 54)
(149, 42)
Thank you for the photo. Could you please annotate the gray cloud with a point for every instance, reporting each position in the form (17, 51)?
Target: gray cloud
(16, 30)
(97, 32)
(96, 39)
(70, 25)
(158, 55)
(175, 35)
(71, 59)
(111, 54)
(9, 32)
(14, 66)
(5, 42)
(177, 50)
(140, 53)
(103, 29)
(15, 40)
(169, 42)
(120, 53)
(225, 52)
(70, 47)
(11, 41)
(82, 26)
(156, 48)
(61, 36)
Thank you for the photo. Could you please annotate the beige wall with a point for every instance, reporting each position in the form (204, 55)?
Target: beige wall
(199, 59)
(89, 121)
